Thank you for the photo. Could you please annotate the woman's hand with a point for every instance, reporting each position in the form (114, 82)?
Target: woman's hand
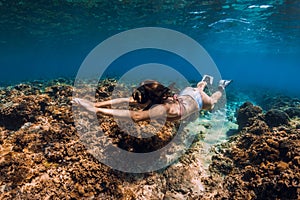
(90, 106)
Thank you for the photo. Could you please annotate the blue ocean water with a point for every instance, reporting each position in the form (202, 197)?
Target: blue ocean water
(255, 43)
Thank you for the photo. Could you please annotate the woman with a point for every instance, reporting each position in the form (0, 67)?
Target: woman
(157, 103)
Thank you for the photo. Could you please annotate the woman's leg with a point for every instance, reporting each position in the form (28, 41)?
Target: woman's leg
(216, 96)
(210, 101)
(201, 85)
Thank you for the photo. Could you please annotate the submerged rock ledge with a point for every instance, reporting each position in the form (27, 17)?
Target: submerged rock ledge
(41, 156)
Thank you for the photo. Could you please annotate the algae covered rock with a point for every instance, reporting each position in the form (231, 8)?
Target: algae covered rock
(263, 158)
(276, 118)
(22, 109)
(246, 112)
(293, 112)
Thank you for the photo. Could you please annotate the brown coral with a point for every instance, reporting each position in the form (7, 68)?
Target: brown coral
(265, 161)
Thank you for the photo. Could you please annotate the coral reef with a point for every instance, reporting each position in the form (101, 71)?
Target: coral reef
(262, 162)
(245, 114)
(276, 118)
(42, 155)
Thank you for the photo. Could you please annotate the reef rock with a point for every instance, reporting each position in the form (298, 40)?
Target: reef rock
(276, 118)
(293, 112)
(262, 162)
(278, 102)
(22, 109)
(246, 112)
(44, 156)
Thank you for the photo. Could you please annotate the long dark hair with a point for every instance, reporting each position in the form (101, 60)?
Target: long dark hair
(151, 90)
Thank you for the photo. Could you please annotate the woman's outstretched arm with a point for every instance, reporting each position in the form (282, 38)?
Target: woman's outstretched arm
(114, 102)
(156, 112)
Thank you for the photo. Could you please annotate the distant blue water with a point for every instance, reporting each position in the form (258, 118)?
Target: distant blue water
(253, 42)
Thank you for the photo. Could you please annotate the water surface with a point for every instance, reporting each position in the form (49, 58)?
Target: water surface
(253, 42)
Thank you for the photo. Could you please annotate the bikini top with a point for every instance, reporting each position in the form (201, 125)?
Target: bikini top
(195, 94)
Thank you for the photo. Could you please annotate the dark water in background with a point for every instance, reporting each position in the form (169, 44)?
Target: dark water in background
(253, 42)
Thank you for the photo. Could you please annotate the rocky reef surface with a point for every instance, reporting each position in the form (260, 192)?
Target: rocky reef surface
(262, 161)
(42, 157)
